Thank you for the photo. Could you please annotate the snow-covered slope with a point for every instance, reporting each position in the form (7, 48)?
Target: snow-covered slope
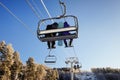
(85, 76)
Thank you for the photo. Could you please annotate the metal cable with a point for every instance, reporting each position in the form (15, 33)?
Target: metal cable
(74, 52)
(47, 10)
(37, 8)
(26, 26)
(50, 51)
(33, 9)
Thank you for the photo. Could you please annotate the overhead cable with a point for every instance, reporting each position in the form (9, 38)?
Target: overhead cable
(26, 26)
(32, 8)
(46, 10)
(37, 8)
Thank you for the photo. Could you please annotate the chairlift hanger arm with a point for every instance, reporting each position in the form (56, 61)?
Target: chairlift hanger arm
(64, 11)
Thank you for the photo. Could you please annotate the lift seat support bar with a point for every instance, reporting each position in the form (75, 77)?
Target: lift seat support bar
(71, 36)
(71, 28)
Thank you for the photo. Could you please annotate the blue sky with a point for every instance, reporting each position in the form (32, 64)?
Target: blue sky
(98, 44)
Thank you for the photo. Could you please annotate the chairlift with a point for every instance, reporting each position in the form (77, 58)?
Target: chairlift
(50, 59)
(77, 66)
(73, 28)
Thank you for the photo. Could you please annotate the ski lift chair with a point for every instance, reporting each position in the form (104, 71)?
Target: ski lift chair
(74, 28)
(50, 59)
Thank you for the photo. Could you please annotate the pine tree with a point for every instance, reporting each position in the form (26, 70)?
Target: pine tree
(16, 67)
(40, 72)
(11, 67)
(6, 60)
(30, 69)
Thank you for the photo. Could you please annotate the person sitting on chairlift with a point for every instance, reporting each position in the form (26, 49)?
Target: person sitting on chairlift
(51, 44)
(54, 26)
(48, 35)
(67, 33)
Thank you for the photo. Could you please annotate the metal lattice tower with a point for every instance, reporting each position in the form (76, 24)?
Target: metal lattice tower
(72, 61)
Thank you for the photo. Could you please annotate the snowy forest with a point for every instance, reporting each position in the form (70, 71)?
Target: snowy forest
(11, 67)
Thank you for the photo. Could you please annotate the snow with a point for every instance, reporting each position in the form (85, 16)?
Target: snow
(85, 76)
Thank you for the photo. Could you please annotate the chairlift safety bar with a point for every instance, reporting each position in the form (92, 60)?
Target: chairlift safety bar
(71, 28)
(50, 61)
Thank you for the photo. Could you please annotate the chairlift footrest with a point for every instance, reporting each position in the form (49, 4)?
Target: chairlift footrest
(45, 39)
